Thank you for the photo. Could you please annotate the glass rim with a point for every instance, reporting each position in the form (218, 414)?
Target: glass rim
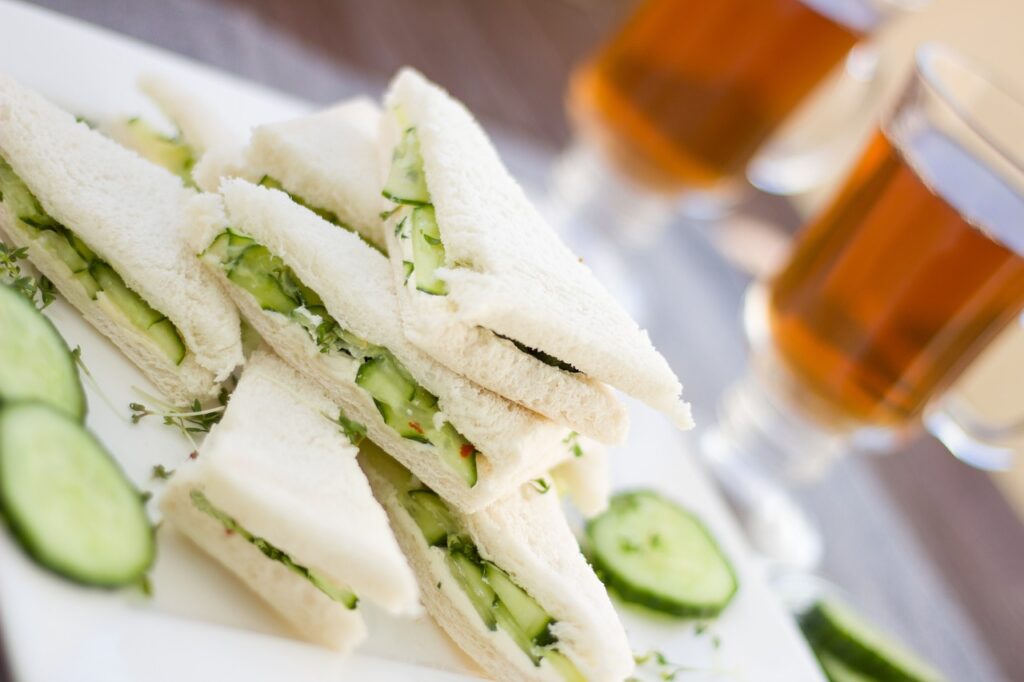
(926, 58)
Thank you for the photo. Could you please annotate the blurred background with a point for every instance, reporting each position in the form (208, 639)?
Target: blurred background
(930, 547)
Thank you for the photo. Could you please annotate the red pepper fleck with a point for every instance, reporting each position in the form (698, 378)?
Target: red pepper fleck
(193, 455)
(466, 450)
(416, 427)
(228, 531)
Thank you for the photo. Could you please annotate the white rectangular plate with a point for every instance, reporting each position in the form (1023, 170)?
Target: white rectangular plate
(200, 624)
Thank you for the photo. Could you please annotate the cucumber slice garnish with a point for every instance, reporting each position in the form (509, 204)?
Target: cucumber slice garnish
(171, 152)
(406, 183)
(35, 363)
(386, 380)
(530, 618)
(427, 251)
(432, 516)
(19, 199)
(651, 551)
(67, 501)
(834, 629)
(507, 622)
(141, 315)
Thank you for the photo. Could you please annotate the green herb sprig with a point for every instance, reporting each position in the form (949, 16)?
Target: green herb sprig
(39, 290)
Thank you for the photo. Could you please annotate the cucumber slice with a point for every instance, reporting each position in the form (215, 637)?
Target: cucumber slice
(166, 336)
(566, 668)
(529, 616)
(384, 464)
(401, 423)
(457, 452)
(511, 627)
(227, 247)
(406, 183)
(66, 500)
(329, 216)
(59, 246)
(257, 271)
(35, 363)
(833, 628)
(20, 200)
(87, 282)
(386, 380)
(155, 325)
(131, 304)
(170, 152)
(78, 245)
(432, 516)
(837, 671)
(427, 251)
(653, 552)
(470, 577)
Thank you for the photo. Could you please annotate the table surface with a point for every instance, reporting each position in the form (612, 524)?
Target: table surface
(923, 544)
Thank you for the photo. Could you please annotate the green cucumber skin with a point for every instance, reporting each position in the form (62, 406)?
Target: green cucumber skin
(27, 537)
(625, 588)
(825, 634)
(72, 400)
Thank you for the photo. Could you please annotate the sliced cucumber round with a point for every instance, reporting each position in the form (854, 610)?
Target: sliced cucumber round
(35, 363)
(833, 628)
(67, 501)
(653, 552)
(837, 671)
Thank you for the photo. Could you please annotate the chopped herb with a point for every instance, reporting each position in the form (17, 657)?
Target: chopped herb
(540, 485)
(384, 215)
(355, 431)
(628, 546)
(716, 641)
(145, 496)
(162, 473)
(573, 441)
(541, 355)
(700, 629)
(439, 584)
(145, 585)
(38, 290)
(188, 420)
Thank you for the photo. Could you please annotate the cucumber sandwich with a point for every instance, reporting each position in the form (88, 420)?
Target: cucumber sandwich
(488, 289)
(108, 227)
(507, 583)
(325, 302)
(276, 495)
(196, 129)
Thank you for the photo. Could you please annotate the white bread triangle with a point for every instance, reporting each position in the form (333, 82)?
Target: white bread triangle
(355, 284)
(515, 277)
(201, 126)
(586, 479)
(280, 466)
(525, 534)
(329, 159)
(133, 214)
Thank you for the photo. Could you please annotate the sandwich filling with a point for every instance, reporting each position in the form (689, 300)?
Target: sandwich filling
(86, 270)
(342, 595)
(419, 234)
(501, 603)
(326, 214)
(169, 151)
(407, 408)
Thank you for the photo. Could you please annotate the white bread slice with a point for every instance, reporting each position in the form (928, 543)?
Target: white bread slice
(586, 479)
(132, 214)
(329, 159)
(526, 535)
(279, 466)
(515, 277)
(201, 126)
(355, 284)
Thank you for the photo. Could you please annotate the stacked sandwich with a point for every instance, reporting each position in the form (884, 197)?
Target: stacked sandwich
(412, 301)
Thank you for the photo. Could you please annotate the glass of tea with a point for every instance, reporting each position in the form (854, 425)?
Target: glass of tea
(888, 295)
(685, 94)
